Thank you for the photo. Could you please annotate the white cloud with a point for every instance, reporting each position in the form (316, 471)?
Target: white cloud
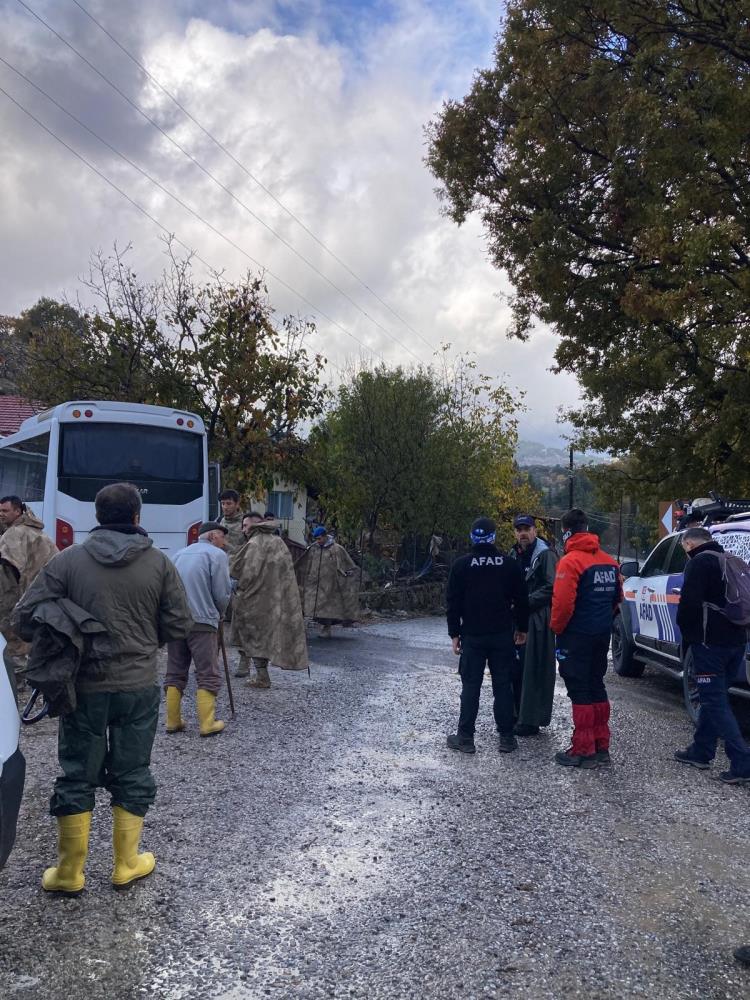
(334, 129)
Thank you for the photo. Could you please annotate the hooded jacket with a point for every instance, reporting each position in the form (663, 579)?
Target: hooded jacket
(588, 588)
(703, 583)
(128, 586)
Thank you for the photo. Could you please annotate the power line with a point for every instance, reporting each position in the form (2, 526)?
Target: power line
(149, 216)
(247, 172)
(215, 179)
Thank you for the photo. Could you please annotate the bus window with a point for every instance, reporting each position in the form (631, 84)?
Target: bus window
(165, 464)
(23, 468)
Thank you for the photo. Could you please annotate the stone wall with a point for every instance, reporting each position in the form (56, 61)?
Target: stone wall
(421, 598)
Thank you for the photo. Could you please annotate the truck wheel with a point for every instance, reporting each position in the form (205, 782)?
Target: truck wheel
(690, 688)
(623, 650)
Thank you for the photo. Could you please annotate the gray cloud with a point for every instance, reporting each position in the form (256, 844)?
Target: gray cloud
(332, 127)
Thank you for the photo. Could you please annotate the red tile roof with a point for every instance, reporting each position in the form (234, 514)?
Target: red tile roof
(13, 411)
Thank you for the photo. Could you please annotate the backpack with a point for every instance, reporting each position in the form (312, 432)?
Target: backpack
(735, 574)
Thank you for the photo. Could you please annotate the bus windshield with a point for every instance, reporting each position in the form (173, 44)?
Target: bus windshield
(167, 462)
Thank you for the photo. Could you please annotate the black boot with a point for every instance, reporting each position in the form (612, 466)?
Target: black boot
(462, 745)
(508, 743)
(524, 730)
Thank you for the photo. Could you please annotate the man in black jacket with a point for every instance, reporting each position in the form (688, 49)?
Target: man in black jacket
(488, 611)
(717, 646)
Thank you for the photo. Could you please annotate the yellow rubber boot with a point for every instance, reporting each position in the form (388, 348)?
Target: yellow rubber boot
(175, 722)
(72, 848)
(126, 835)
(205, 704)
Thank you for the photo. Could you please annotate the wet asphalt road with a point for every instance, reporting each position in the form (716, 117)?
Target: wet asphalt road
(329, 845)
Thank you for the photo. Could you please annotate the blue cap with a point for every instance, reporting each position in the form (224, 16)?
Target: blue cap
(317, 532)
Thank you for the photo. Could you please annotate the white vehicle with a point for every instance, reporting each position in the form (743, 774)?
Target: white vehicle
(646, 633)
(59, 459)
(12, 763)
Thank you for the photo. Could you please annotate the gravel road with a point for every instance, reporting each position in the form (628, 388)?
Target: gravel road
(329, 845)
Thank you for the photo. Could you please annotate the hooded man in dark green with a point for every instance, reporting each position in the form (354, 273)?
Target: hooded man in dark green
(134, 592)
(534, 684)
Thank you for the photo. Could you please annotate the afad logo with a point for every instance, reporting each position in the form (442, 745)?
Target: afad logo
(487, 561)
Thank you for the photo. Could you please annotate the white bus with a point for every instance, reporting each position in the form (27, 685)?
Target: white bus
(59, 459)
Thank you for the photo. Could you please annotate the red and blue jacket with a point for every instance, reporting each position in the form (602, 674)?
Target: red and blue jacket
(588, 588)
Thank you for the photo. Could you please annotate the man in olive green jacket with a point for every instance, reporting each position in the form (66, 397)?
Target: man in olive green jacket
(134, 591)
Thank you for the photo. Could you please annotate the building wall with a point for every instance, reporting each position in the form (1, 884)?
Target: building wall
(289, 503)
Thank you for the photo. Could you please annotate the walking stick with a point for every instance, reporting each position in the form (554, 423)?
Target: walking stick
(223, 649)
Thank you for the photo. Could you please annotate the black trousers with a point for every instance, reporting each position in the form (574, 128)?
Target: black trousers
(583, 664)
(498, 652)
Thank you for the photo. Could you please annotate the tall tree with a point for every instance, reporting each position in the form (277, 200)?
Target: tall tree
(608, 154)
(216, 348)
(418, 451)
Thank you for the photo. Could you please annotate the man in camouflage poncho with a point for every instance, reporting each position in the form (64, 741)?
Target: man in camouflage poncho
(24, 550)
(329, 584)
(267, 611)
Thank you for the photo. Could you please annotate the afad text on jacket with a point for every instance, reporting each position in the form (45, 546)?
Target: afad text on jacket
(588, 588)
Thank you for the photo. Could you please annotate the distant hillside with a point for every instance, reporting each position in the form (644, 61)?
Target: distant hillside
(533, 453)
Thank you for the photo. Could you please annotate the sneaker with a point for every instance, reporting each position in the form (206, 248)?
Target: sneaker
(522, 730)
(507, 744)
(458, 743)
(602, 758)
(568, 759)
(686, 757)
(732, 778)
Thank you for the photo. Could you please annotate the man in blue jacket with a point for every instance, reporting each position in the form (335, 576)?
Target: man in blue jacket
(717, 646)
(488, 611)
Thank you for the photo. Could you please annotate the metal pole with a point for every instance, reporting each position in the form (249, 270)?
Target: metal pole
(571, 478)
(619, 531)
(223, 649)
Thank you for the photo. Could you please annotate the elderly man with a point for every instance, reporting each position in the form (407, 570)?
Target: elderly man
(267, 608)
(329, 586)
(132, 592)
(204, 571)
(534, 683)
(24, 549)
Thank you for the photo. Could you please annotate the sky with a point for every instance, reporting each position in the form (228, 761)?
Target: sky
(321, 103)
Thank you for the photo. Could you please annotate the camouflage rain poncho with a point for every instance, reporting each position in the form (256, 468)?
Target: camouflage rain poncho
(267, 613)
(330, 584)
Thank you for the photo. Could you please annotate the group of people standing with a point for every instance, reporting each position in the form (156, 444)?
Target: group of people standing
(85, 625)
(522, 613)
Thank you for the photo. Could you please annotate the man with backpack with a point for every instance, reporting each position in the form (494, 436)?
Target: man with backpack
(713, 623)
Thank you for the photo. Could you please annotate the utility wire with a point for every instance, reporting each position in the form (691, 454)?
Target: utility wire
(215, 179)
(248, 173)
(149, 216)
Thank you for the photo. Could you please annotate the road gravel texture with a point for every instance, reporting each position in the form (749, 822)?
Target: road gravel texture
(328, 844)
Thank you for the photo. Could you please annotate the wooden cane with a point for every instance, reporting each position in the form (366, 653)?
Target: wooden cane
(226, 666)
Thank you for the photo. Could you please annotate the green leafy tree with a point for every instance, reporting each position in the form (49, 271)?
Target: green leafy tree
(215, 348)
(417, 452)
(607, 153)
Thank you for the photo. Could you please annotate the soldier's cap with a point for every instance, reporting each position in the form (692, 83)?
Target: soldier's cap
(523, 521)
(211, 526)
(483, 527)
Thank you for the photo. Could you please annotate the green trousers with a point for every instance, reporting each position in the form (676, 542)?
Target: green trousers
(106, 743)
